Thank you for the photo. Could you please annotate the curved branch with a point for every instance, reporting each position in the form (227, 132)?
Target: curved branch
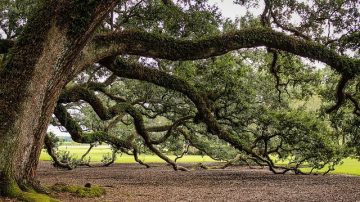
(50, 148)
(113, 158)
(157, 46)
(78, 135)
(82, 162)
(140, 129)
(185, 151)
(77, 93)
(355, 103)
(205, 115)
(340, 94)
(169, 130)
(136, 157)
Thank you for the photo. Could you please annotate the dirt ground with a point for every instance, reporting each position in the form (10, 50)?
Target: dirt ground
(132, 182)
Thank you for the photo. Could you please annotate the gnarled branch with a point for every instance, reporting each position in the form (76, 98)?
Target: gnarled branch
(157, 46)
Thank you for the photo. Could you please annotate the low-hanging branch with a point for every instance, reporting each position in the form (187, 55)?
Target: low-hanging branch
(79, 136)
(169, 129)
(77, 93)
(139, 72)
(205, 115)
(50, 148)
(141, 130)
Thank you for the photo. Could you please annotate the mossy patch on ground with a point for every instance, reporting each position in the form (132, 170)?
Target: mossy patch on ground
(35, 197)
(88, 192)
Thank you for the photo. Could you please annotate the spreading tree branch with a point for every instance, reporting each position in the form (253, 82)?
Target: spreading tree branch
(158, 46)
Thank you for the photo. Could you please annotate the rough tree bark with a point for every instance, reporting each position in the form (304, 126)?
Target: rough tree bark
(38, 66)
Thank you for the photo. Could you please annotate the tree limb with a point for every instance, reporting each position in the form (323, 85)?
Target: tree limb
(157, 46)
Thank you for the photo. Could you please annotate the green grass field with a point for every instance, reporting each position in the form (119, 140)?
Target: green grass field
(349, 167)
(97, 153)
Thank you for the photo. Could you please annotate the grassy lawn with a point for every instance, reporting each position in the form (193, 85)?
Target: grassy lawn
(350, 166)
(97, 153)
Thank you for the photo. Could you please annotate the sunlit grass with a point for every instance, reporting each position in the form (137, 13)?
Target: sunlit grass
(97, 154)
(350, 166)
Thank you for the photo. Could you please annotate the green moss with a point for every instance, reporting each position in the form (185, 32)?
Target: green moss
(35, 197)
(13, 190)
(88, 192)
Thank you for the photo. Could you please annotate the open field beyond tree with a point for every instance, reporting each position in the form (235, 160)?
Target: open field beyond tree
(349, 167)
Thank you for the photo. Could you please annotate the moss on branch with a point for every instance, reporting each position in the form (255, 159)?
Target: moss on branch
(158, 46)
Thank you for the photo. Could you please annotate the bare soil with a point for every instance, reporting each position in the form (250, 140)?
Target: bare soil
(132, 182)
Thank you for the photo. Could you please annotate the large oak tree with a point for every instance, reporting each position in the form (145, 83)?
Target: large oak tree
(63, 38)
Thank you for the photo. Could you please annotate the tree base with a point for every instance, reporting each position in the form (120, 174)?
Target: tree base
(12, 190)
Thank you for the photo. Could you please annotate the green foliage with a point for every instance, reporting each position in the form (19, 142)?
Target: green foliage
(304, 138)
(176, 20)
(246, 100)
(54, 140)
(14, 13)
(67, 157)
(108, 157)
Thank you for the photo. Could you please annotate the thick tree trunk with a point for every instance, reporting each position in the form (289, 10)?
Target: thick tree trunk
(39, 66)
